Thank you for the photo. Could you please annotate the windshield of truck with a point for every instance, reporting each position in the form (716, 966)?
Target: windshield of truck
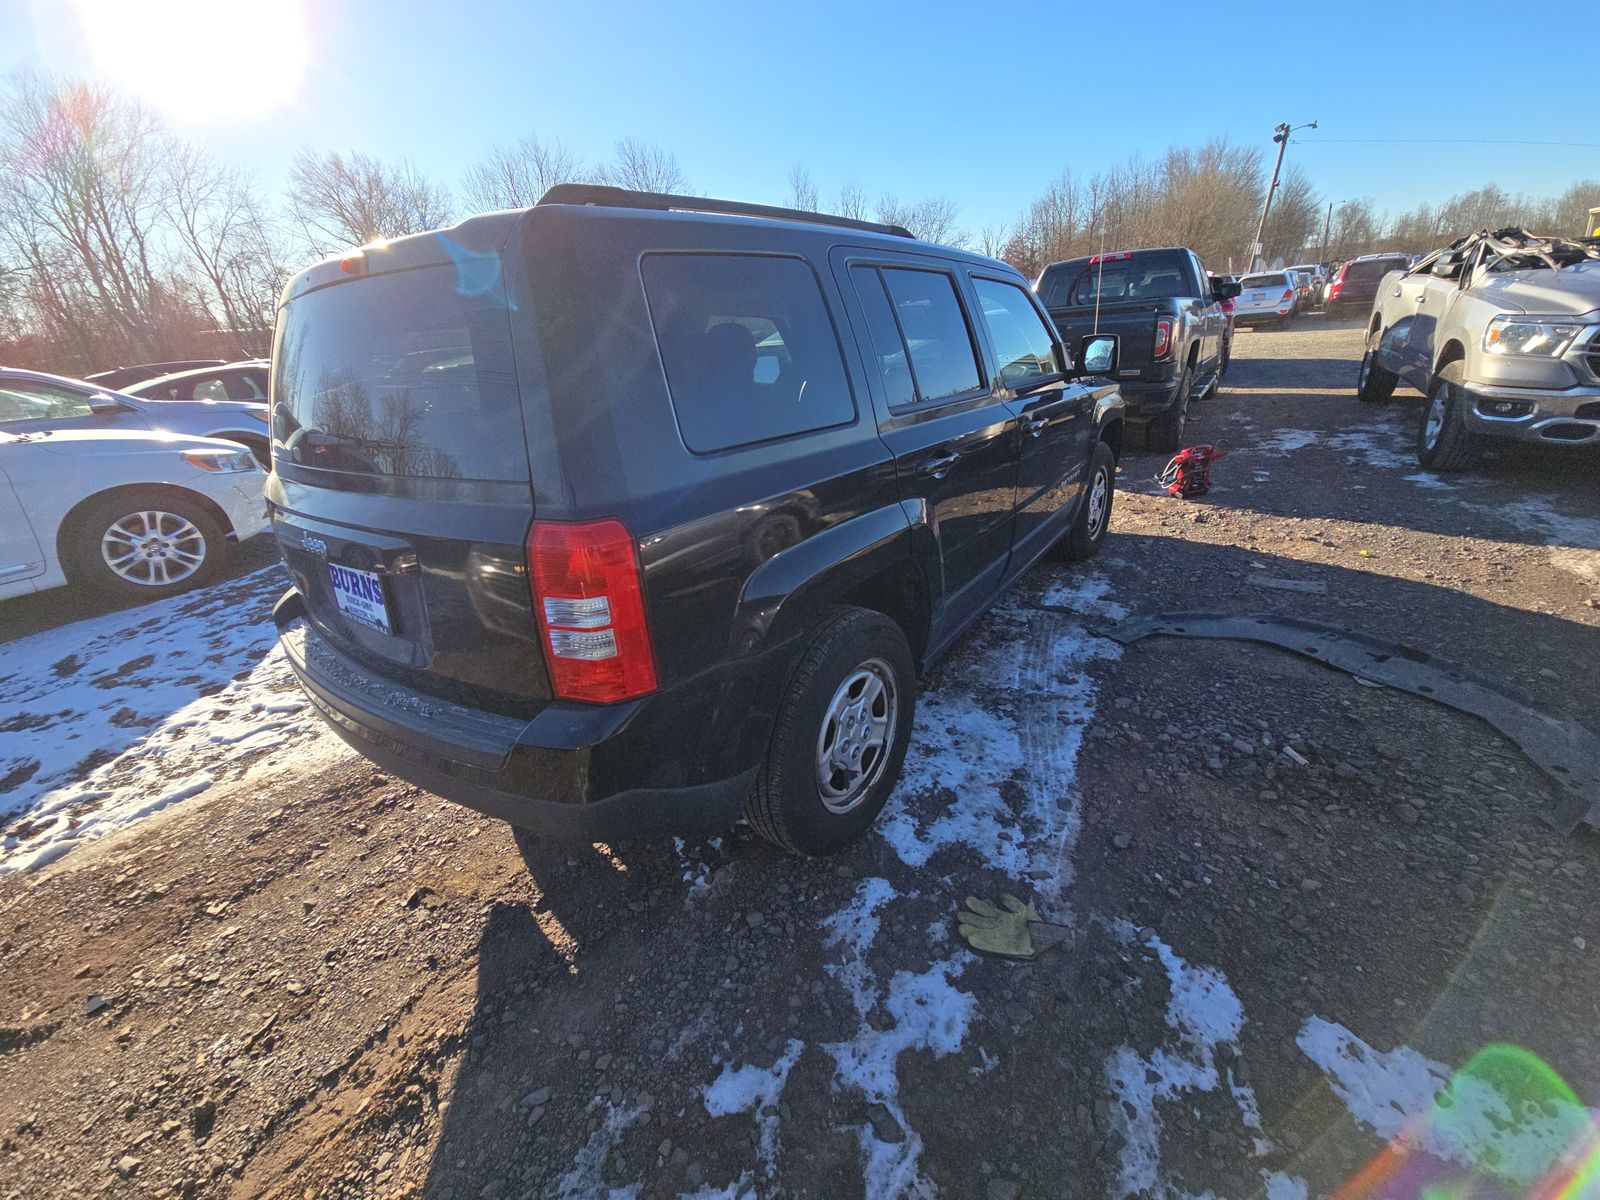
(399, 374)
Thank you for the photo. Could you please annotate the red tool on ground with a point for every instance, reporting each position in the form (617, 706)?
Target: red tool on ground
(1189, 473)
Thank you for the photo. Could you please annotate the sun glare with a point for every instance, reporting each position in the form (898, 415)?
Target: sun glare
(200, 61)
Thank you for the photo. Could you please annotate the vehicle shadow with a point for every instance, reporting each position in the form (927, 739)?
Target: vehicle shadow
(24, 615)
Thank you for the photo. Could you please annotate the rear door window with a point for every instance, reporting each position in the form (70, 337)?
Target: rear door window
(400, 374)
(749, 350)
(894, 366)
(944, 362)
(1024, 350)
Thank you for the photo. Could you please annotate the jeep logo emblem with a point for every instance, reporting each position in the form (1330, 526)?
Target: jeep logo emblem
(314, 545)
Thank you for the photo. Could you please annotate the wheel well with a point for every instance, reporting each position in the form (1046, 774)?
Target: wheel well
(1374, 325)
(75, 515)
(1194, 354)
(900, 594)
(1111, 435)
(257, 443)
(1452, 352)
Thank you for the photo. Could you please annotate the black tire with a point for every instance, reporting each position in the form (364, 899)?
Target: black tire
(1449, 445)
(787, 805)
(107, 521)
(1088, 531)
(1374, 384)
(1165, 433)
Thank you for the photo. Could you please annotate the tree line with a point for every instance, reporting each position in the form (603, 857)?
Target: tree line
(120, 242)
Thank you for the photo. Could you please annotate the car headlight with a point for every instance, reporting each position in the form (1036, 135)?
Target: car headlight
(220, 461)
(262, 415)
(1544, 337)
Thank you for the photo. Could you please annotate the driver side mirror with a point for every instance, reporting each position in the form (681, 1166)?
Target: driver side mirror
(1225, 289)
(1098, 354)
(102, 405)
(1446, 267)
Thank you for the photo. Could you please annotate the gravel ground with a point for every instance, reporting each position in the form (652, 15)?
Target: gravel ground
(314, 980)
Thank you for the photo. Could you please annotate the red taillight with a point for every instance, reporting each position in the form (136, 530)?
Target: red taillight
(589, 600)
(1121, 256)
(1163, 337)
(1288, 293)
(1335, 287)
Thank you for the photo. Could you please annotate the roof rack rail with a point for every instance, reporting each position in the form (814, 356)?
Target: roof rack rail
(615, 197)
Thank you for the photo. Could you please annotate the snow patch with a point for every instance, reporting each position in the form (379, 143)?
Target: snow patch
(852, 930)
(100, 716)
(585, 1180)
(928, 1013)
(1432, 482)
(755, 1089)
(1204, 1013)
(1396, 1094)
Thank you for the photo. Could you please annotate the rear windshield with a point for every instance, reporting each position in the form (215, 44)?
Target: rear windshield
(1143, 277)
(1373, 268)
(399, 374)
(1264, 281)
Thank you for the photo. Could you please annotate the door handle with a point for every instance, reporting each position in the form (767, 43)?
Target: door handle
(1036, 425)
(938, 467)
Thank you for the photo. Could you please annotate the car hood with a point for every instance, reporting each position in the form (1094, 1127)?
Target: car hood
(1570, 291)
(89, 443)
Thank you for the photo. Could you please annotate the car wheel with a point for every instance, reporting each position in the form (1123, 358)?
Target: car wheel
(1374, 384)
(1444, 443)
(1165, 432)
(840, 737)
(145, 544)
(1094, 514)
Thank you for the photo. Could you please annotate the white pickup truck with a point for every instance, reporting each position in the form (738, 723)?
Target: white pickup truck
(1501, 332)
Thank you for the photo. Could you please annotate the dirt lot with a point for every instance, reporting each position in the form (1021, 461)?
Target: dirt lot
(301, 977)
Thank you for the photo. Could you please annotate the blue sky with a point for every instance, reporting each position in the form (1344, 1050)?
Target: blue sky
(984, 103)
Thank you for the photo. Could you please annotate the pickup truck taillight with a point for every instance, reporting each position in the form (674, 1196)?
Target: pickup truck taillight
(589, 599)
(1163, 337)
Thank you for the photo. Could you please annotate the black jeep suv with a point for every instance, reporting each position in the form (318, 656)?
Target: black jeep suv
(631, 511)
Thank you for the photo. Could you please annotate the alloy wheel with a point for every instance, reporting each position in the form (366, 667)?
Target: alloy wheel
(153, 548)
(857, 729)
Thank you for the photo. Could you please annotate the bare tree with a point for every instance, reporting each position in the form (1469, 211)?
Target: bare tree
(337, 200)
(852, 202)
(644, 168)
(516, 176)
(802, 191)
(236, 248)
(81, 214)
(993, 239)
(932, 220)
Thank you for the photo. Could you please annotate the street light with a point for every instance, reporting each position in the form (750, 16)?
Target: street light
(1280, 134)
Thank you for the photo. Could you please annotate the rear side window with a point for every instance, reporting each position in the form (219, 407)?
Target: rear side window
(893, 365)
(749, 350)
(399, 374)
(1024, 350)
(943, 360)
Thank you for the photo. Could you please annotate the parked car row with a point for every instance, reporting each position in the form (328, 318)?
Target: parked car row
(138, 493)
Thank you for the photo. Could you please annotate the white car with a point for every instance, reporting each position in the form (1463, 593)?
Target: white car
(1264, 299)
(135, 513)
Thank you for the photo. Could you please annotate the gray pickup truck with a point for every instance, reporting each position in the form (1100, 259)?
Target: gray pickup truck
(1168, 314)
(1501, 331)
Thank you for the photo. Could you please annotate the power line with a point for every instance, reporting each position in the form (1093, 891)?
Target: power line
(1442, 142)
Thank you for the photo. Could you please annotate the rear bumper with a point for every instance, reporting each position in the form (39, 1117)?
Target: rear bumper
(1539, 416)
(588, 772)
(1148, 398)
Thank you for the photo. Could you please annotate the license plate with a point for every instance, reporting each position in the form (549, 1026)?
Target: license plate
(359, 595)
(1257, 297)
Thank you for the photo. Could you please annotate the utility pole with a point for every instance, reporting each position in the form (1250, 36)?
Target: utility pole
(1327, 225)
(1280, 134)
